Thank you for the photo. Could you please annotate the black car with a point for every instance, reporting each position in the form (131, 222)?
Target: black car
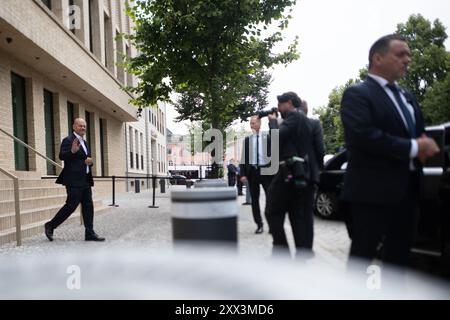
(327, 202)
(433, 227)
(177, 179)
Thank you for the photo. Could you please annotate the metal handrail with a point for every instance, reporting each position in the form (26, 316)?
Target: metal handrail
(30, 148)
(16, 183)
(16, 205)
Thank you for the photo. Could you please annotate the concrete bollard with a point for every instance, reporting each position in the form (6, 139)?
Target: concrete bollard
(211, 183)
(162, 184)
(205, 214)
(137, 186)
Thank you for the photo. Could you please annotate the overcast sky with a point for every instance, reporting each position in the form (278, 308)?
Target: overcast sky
(335, 37)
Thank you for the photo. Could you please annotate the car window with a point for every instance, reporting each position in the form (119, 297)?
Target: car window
(336, 162)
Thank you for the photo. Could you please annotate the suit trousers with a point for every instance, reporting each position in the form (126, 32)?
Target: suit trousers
(255, 179)
(393, 225)
(285, 198)
(75, 196)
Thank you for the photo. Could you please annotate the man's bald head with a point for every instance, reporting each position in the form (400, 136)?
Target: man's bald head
(79, 126)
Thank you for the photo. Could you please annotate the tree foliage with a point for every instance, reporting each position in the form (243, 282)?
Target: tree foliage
(428, 54)
(329, 116)
(428, 78)
(213, 52)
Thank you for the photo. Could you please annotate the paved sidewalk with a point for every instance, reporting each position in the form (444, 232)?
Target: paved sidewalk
(133, 224)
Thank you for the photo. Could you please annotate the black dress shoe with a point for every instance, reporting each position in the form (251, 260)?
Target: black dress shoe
(259, 230)
(48, 231)
(93, 237)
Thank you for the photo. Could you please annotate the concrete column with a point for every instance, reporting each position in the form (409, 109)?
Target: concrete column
(120, 49)
(83, 32)
(60, 119)
(61, 10)
(95, 144)
(36, 122)
(110, 44)
(79, 111)
(105, 154)
(98, 34)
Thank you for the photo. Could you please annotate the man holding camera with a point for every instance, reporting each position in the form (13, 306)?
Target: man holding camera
(291, 186)
(253, 159)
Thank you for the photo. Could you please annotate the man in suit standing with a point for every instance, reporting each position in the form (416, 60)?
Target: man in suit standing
(232, 172)
(254, 157)
(288, 194)
(384, 135)
(77, 177)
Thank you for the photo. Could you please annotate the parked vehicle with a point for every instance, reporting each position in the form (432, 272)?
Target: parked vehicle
(177, 179)
(433, 227)
(331, 180)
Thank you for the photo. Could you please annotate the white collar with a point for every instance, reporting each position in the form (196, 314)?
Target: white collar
(381, 81)
(78, 136)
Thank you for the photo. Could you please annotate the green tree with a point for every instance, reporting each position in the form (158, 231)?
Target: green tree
(213, 52)
(427, 78)
(329, 115)
(428, 54)
(436, 103)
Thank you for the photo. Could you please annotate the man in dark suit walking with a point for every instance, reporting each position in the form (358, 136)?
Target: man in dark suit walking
(384, 135)
(77, 177)
(254, 157)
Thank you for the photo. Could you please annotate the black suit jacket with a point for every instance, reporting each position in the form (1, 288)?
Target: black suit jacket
(378, 144)
(74, 172)
(317, 149)
(294, 135)
(244, 166)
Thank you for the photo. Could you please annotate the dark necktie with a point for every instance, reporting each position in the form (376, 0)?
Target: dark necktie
(404, 109)
(257, 149)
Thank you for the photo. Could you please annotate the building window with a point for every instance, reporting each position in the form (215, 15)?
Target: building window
(108, 41)
(142, 150)
(136, 149)
(49, 131)
(47, 3)
(19, 106)
(119, 58)
(129, 76)
(130, 139)
(70, 116)
(102, 146)
(88, 129)
(72, 16)
(91, 41)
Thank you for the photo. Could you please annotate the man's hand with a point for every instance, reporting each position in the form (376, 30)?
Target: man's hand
(75, 145)
(89, 161)
(243, 179)
(427, 148)
(273, 116)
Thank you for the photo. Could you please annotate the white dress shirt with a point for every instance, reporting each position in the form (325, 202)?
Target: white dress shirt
(258, 152)
(83, 146)
(383, 83)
